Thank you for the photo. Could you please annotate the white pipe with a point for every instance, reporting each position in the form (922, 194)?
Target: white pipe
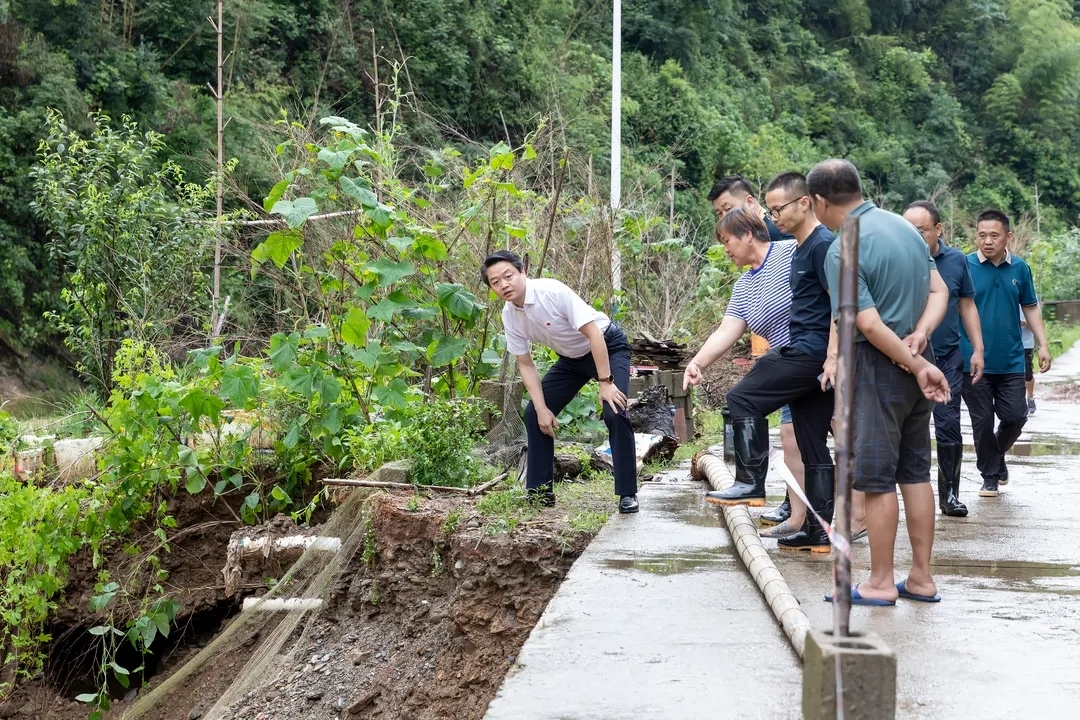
(250, 546)
(782, 602)
(616, 138)
(282, 604)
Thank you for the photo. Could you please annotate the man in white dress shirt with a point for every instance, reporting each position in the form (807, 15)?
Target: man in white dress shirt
(590, 347)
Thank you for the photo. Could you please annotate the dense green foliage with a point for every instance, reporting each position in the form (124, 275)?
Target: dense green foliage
(972, 102)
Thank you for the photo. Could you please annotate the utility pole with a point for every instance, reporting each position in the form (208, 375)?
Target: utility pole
(616, 138)
(216, 291)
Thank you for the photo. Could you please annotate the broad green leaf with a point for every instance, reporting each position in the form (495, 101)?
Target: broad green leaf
(330, 389)
(431, 248)
(390, 272)
(459, 302)
(279, 494)
(200, 404)
(300, 380)
(368, 356)
(354, 327)
(296, 211)
(161, 621)
(379, 216)
(420, 313)
(358, 192)
(195, 483)
(239, 384)
(291, 439)
(470, 178)
(401, 244)
(283, 350)
(515, 231)
(392, 395)
(276, 193)
(278, 247)
(383, 310)
(529, 154)
(86, 697)
(336, 159)
(332, 420)
(490, 357)
(446, 350)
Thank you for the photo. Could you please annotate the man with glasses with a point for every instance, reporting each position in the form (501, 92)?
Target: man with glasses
(789, 376)
(952, 265)
(733, 192)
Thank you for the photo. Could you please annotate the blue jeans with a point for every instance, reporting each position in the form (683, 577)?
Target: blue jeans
(561, 383)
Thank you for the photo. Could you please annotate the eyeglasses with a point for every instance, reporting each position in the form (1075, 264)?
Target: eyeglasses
(775, 212)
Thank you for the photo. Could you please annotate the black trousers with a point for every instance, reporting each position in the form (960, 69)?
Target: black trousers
(561, 383)
(947, 415)
(787, 376)
(1005, 397)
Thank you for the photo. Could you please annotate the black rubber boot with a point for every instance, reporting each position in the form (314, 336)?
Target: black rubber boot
(779, 515)
(820, 482)
(950, 458)
(751, 446)
(729, 436)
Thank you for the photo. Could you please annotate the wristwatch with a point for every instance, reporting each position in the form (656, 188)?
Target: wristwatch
(608, 379)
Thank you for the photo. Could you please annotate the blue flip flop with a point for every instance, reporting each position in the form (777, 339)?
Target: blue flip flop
(857, 599)
(902, 589)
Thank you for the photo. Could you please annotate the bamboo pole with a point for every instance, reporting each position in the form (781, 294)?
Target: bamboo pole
(218, 180)
(781, 601)
(844, 433)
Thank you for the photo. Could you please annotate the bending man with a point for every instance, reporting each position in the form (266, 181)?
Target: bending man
(760, 302)
(590, 347)
(788, 376)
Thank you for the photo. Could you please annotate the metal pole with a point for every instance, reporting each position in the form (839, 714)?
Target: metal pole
(616, 138)
(844, 432)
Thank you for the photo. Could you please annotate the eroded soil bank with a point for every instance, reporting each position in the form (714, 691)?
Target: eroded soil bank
(424, 622)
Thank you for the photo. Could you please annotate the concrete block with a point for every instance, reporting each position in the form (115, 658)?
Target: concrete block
(867, 673)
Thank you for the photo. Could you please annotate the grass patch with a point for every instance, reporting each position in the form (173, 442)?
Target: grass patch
(586, 504)
(1061, 337)
(710, 431)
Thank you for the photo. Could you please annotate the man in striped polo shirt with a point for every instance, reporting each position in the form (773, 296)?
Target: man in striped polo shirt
(788, 375)
(760, 302)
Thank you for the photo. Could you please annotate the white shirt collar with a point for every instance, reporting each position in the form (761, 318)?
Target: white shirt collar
(1007, 260)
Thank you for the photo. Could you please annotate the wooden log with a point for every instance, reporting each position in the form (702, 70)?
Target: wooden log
(349, 482)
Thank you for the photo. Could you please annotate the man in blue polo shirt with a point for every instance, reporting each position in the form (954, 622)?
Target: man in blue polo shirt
(953, 267)
(1002, 281)
(733, 192)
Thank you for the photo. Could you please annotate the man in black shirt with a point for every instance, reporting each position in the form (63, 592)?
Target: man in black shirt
(789, 376)
(733, 192)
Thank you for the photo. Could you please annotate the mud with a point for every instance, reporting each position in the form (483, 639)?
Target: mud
(423, 627)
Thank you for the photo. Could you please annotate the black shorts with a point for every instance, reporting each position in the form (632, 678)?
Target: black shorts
(1029, 364)
(892, 424)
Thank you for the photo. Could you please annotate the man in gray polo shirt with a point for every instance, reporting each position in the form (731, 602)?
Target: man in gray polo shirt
(901, 295)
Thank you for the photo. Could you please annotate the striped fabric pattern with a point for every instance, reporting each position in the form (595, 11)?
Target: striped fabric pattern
(762, 298)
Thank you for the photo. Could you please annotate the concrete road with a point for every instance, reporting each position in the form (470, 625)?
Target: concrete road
(1005, 640)
(657, 619)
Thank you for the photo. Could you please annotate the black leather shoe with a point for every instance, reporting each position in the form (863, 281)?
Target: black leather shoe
(628, 504)
(542, 496)
(989, 488)
(820, 481)
(950, 458)
(751, 438)
(1004, 478)
(779, 515)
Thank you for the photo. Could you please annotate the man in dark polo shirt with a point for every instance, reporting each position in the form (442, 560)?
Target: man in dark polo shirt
(733, 192)
(953, 268)
(788, 376)
(900, 295)
(1002, 281)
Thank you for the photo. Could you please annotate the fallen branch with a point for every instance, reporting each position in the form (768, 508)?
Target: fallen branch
(481, 489)
(392, 485)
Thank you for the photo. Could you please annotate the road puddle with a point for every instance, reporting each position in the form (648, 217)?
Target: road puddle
(674, 563)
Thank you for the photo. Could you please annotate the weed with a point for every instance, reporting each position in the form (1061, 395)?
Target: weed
(436, 562)
(452, 521)
(369, 554)
(413, 505)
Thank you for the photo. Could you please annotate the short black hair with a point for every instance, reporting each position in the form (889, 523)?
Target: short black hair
(735, 184)
(793, 183)
(741, 221)
(835, 180)
(929, 207)
(992, 215)
(501, 256)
